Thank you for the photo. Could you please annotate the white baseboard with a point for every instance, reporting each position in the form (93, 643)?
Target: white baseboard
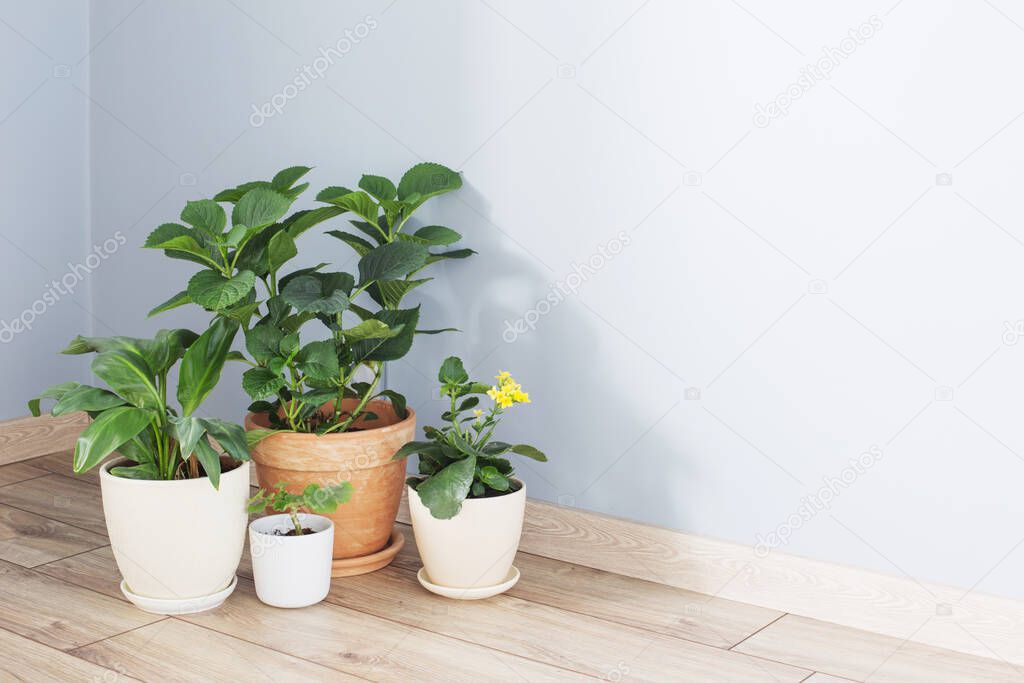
(931, 614)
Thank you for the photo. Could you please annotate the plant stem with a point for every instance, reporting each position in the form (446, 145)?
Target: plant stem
(295, 521)
(362, 402)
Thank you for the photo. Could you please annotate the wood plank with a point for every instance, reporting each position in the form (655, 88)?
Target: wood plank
(59, 614)
(22, 659)
(95, 570)
(60, 463)
(860, 655)
(819, 677)
(366, 646)
(581, 643)
(854, 597)
(57, 497)
(173, 650)
(30, 437)
(624, 600)
(29, 539)
(19, 471)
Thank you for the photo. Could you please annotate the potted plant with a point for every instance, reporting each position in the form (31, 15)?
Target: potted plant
(319, 414)
(466, 505)
(292, 552)
(174, 505)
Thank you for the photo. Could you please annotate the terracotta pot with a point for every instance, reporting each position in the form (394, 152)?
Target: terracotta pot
(362, 526)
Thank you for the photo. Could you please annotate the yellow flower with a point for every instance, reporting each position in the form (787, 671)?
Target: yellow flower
(503, 375)
(478, 412)
(508, 392)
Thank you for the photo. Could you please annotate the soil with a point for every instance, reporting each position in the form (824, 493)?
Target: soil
(291, 532)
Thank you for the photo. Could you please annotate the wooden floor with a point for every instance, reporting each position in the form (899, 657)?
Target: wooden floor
(63, 618)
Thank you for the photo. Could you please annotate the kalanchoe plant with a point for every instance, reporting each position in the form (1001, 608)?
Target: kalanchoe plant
(301, 386)
(461, 460)
(315, 498)
(134, 416)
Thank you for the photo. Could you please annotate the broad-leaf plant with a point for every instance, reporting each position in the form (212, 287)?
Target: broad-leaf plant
(299, 380)
(321, 500)
(461, 459)
(134, 417)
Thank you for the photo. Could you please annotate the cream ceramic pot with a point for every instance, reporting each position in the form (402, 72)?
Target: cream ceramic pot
(475, 548)
(177, 541)
(291, 571)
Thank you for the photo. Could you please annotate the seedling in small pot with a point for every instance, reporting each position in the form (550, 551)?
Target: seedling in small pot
(315, 498)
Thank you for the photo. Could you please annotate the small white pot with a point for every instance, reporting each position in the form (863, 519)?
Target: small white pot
(475, 548)
(291, 571)
(177, 543)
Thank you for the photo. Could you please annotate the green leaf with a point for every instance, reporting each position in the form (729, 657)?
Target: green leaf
(165, 233)
(187, 430)
(236, 193)
(302, 221)
(446, 329)
(167, 347)
(179, 299)
(496, 448)
(452, 371)
(236, 235)
(454, 253)
(369, 329)
(392, 261)
(359, 203)
(319, 360)
(444, 492)
(395, 347)
(146, 471)
(56, 392)
(361, 246)
(263, 341)
(280, 250)
(325, 500)
(332, 193)
(259, 208)
(261, 383)
(213, 291)
(206, 215)
(287, 177)
(314, 293)
(129, 376)
(529, 452)
(86, 398)
(389, 293)
(398, 401)
(427, 180)
(210, 460)
(106, 433)
(380, 187)
(254, 436)
(412, 448)
(437, 235)
(172, 238)
(202, 363)
(230, 436)
(490, 476)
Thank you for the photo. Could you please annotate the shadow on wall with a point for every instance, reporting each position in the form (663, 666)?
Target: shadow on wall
(590, 412)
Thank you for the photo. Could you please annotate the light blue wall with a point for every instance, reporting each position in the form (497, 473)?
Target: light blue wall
(45, 261)
(724, 310)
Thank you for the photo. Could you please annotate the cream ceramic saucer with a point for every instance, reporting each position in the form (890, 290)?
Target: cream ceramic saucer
(468, 593)
(183, 606)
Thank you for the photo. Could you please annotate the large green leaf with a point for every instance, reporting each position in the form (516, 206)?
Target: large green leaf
(452, 371)
(167, 347)
(234, 194)
(379, 186)
(108, 431)
(261, 383)
(215, 292)
(392, 261)
(179, 299)
(86, 398)
(358, 244)
(259, 208)
(369, 329)
(56, 392)
(437, 235)
(187, 430)
(315, 293)
(130, 376)
(301, 221)
(262, 342)
(359, 203)
(146, 471)
(428, 180)
(280, 250)
(284, 180)
(529, 452)
(202, 364)
(395, 347)
(172, 237)
(230, 436)
(389, 293)
(444, 492)
(206, 215)
(319, 360)
(210, 460)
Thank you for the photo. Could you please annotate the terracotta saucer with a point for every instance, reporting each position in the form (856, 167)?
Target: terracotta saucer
(353, 566)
